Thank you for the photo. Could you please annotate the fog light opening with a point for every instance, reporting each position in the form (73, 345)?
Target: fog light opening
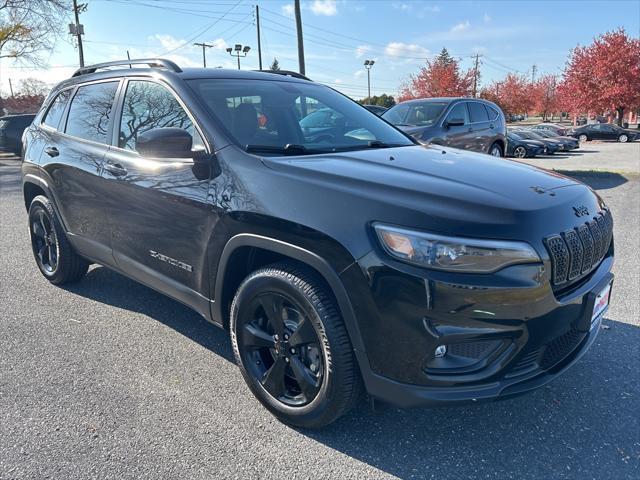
(440, 351)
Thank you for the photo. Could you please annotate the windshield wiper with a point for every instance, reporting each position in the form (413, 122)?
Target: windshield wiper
(288, 149)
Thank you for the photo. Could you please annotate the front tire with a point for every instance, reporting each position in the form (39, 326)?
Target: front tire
(292, 346)
(54, 255)
(623, 138)
(520, 152)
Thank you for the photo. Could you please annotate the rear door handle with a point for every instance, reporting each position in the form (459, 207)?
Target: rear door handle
(52, 151)
(115, 169)
(470, 129)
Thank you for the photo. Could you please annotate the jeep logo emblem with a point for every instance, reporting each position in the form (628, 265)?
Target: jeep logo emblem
(581, 211)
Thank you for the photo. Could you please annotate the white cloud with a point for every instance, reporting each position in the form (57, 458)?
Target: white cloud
(399, 49)
(324, 7)
(338, 81)
(362, 50)
(358, 73)
(461, 27)
(486, 18)
(220, 44)
(432, 8)
(288, 9)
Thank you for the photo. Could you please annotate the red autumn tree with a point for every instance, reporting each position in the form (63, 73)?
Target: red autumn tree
(513, 94)
(603, 76)
(545, 96)
(438, 78)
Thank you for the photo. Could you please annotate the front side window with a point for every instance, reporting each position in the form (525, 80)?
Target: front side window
(90, 111)
(397, 114)
(276, 117)
(149, 105)
(54, 114)
(459, 112)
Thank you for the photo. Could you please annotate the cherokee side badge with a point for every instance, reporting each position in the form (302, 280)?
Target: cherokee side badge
(170, 261)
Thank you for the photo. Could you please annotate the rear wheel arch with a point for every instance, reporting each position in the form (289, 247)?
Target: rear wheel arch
(247, 252)
(30, 191)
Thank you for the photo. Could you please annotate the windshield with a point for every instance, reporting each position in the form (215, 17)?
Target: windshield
(418, 114)
(513, 136)
(282, 117)
(530, 135)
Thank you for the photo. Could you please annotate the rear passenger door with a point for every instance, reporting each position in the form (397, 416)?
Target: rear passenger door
(72, 157)
(158, 208)
(482, 135)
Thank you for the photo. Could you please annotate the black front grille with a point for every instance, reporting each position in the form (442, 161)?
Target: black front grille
(473, 349)
(576, 252)
(558, 349)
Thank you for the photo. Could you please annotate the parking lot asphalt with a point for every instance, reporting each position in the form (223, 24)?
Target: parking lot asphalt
(109, 379)
(594, 156)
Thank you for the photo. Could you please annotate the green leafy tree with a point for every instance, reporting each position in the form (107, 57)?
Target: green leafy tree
(383, 100)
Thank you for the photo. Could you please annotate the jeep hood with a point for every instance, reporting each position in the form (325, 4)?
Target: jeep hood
(440, 188)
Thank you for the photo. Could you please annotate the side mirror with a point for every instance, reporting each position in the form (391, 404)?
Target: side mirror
(454, 122)
(165, 143)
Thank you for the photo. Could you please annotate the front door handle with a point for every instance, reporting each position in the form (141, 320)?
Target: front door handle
(470, 129)
(52, 151)
(115, 169)
(491, 126)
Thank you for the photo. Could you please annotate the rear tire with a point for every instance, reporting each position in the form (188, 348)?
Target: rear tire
(292, 346)
(583, 138)
(496, 150)
(54, 255)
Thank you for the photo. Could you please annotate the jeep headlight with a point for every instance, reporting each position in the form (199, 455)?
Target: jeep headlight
(456, 254)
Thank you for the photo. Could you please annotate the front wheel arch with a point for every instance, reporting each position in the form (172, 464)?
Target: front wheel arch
(271, 248)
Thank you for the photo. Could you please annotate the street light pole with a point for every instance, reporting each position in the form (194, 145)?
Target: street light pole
(368, 64)
(77, 29)
(238, 51)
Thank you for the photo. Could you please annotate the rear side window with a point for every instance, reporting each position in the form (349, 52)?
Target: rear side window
(54, 114)
(90, 111)
(477, 112)
(148, 105)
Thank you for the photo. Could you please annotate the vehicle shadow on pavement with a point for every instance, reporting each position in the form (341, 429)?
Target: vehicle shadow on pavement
(106, 286)
(583, 424)
(596, 179)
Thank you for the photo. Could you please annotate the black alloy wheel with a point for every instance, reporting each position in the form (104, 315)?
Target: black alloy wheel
(54, 255)
(45, 242)
(292, 346)
(281, 349)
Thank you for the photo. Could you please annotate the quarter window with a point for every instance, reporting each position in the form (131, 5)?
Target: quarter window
(90, 111)
(477, 112)
(493, 113)
(148, 105)
(54, 114)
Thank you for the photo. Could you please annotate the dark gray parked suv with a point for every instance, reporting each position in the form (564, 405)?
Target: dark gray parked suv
(467, 123)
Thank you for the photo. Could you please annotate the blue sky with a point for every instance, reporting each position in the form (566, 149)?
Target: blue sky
(340, 35)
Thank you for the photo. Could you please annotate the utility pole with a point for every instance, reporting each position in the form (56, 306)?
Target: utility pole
(77, 29)
(475, 76)
(299, 31)
(259, 44)
(204, 56)
(534, 69)
(11, 88)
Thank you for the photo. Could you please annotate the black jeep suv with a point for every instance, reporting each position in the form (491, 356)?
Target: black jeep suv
(340, 258)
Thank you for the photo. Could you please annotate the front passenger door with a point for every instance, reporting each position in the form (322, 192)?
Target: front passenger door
(458, 136)
(160, 218)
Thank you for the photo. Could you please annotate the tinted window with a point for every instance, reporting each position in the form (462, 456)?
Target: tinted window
(477, 112)
(424, 114)
(90, 111)
(148, 105)
(396, 114)
(459, 111)
(492, 112)
(54, 114)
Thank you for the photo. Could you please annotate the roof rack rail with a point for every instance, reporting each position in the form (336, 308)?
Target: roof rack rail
(287, 73)
(150, 62)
